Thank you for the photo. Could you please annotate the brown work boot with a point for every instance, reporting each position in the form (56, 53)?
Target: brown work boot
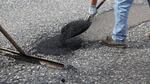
(108, 41)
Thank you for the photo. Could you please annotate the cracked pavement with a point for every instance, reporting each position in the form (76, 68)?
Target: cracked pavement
(36, 25)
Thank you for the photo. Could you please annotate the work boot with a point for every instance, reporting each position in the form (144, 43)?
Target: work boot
(108, 41)
(92, 10)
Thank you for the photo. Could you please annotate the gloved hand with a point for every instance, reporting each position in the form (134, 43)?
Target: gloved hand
(92, 10)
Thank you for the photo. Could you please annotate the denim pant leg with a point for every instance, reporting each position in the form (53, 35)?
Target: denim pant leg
(121, 19)
(148, 2)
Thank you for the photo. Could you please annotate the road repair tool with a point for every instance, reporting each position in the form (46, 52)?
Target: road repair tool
(77, 27)
(22, 54)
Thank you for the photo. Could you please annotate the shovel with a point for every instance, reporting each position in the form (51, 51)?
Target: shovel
(77, 27)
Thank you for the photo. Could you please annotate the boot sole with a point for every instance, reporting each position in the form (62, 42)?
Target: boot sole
(114, 45)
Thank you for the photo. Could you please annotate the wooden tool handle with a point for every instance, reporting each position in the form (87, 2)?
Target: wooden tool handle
(22, 53)
(100, 4)
(3, 31)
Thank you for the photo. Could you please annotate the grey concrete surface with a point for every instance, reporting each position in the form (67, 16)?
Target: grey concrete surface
(36, 25)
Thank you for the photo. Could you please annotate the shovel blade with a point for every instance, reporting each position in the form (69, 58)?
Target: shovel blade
(75, 28)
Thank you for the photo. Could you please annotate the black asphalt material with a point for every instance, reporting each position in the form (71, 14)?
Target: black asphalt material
(75, 28)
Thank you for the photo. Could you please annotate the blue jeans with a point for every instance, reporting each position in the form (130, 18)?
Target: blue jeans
(120, 30)
(148, 2)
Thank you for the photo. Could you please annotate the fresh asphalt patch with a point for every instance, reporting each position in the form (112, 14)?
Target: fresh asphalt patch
(55, 45)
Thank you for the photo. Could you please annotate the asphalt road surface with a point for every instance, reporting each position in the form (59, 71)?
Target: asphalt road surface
(36, 25)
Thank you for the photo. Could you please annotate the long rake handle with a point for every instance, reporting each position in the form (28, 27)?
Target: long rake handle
(3, 31)
(22, 53)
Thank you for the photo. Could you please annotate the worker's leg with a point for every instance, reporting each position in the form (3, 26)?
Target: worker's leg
(92, 8)
(148, 2)
(121, 19)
